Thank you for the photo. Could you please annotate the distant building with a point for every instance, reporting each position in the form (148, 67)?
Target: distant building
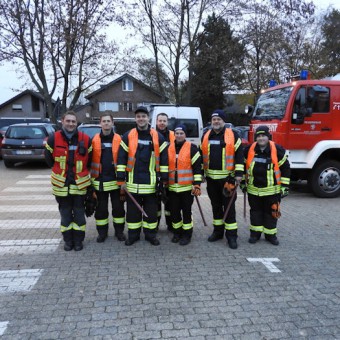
(121, 97)
(26, 104)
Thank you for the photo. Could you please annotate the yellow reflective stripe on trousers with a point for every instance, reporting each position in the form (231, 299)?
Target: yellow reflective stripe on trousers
(188, 226)
(179, 188)
(63, 228)
(134, 225)
(102, 222)
(118, 220)
(270, 231)
(258, 228)
(150, 226)
(230, 226)
(263, 191)
(177, 225)
(218, 222)
(75, 226)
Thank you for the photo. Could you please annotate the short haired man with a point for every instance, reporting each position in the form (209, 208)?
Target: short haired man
(68, 152)
(105, 147)
(222, 154)
(162, 121)
(267, 179)
(142, 159)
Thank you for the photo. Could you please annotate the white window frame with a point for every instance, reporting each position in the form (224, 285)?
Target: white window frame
(127, 84)
(110, 106)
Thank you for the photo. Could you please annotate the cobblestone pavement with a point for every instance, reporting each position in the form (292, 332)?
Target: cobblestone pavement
(200, 291)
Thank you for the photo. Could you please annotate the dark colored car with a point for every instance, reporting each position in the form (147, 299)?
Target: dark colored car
(25, 142)
(90, 129)
(2, 134)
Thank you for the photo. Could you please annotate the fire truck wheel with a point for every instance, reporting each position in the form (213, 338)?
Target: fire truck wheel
(325, 179)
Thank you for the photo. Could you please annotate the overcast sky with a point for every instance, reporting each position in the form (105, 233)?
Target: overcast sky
(11, 85)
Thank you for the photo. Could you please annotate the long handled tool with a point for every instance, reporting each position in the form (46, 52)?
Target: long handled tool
(245, 205)
(135, 202)
(230, 202)
(201, 211)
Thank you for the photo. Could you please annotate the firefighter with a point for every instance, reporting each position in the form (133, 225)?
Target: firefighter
(105, 147)
(185, 179)
(223, 164)
(267, 181)
(142, 162)
(68, 152)
(162, 122)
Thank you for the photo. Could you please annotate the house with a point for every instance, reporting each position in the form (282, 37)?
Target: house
(121, 97)
(29, 104)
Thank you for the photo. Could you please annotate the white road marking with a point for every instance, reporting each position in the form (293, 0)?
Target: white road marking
(268, 263)
(3, 326)
(28, 208)
(38, 176)
(33, 182)
(27, 198)
(44, 223)
(10, 247)
(27, 189)
(12, 281)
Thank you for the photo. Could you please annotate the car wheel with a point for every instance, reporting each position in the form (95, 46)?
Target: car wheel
(8, 164)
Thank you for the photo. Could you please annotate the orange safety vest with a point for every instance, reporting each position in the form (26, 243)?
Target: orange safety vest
(133, 143)
(273, 155)
(183, 167)
(171, 137)
(229, 140)
(61, 154)
(96, 166)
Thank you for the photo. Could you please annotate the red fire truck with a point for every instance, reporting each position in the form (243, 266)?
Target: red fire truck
(304, 117)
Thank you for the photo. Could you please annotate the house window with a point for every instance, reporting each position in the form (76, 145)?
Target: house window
(127, 84)
(110, 106)
(127, 106)
(17, 107)
(35, 103)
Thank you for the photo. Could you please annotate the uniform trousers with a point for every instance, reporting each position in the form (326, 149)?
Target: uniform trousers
(72, 213)
(102, 212)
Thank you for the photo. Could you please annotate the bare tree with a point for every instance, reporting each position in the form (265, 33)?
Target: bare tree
(61, 44)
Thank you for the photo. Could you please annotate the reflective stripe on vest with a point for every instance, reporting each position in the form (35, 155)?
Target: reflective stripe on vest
(183, 167)
(133, 143)
(96, 166)
(229, 160)
(273, 154)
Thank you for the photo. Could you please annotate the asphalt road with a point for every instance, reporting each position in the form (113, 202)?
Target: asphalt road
(200, 291)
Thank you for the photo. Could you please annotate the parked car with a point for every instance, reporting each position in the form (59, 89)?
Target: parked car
(89, 129)
(25, 142)
(2, 134)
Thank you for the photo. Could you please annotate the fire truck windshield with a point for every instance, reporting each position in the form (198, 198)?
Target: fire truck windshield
(272, 104)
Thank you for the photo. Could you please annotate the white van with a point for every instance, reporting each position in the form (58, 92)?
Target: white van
(190, 116)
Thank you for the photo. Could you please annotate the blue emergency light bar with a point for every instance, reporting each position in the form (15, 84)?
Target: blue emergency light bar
(272, 83)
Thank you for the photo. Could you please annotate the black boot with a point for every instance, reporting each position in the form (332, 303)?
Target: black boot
(231, 236)
(133, 236)
(78, 238)
(78, 246)
(101, 238)
(186, 237)
(130, 241)
(272, 239)
(119, 229)
(177, 235)
(68, 246)
(217, 234)
(254, 236)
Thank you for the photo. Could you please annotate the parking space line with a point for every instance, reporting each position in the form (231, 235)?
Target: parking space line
(27, 198)
(267, 262)
(28, 246)
(44, 223)
(38, 176)
(3, 326)
(33, 182)
(29, 208)
(12, 281)
(27, 189)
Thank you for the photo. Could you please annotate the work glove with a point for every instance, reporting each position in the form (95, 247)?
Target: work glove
(162, 192)
(90, 202)
(196, 190)
(122, 194)
(229, 186)
(243, 186)
(284, 192)
(276, 212)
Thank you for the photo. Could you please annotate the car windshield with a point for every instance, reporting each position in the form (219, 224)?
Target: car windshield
(190, 124)
(25, 132)
(90, 130)
(272, 104)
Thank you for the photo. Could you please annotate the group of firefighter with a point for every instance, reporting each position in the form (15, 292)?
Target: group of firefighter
(147, 168)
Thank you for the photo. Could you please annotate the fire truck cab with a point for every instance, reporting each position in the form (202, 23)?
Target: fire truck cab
(304, 117)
